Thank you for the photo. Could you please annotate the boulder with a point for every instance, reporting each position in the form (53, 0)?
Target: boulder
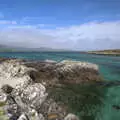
(71, 116)
(26, 105)
(7, 89)
(13, 73)
(64, 72)
(74, 72)
(53, 110)
(34, 95)
(23, 117)
(3, 98)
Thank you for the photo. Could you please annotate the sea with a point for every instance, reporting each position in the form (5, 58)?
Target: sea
(94, 102)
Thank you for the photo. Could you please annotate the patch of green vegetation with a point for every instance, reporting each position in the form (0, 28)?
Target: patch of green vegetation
(2, 104)
(2, 112)
(115, 52)
(3, 116)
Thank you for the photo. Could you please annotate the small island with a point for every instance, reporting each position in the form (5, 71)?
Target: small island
(115, 52)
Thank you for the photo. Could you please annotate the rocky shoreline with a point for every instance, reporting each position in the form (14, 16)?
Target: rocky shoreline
(27, 88)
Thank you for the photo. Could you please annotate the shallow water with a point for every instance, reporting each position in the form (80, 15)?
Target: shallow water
(105, 97)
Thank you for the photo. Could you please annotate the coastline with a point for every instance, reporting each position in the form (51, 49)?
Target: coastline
(75, 88)
(53, 84)
(105, 52)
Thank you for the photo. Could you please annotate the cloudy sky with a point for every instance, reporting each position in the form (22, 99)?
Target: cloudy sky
(62, 24)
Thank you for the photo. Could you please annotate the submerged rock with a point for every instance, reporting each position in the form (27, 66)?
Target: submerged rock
(71, 117)
(23, 117)
(53, 110)
(117, 107)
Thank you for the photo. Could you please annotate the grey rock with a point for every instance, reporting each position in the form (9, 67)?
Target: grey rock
(3, 98)
(23, 117)
(28, 103)
(7, 89)
(52, 110)
(25, 94)
(50, 61)
(12, 108)
(34, 95)
(38, 117)
(71, 116)
(13, 73)
(74, 72)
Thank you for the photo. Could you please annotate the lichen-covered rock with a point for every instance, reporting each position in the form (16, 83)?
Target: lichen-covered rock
(12, 109)
(34, 95)
(27, 103)
(73, 64)
(72, 72)
(36, 116)
(77, 72)
(13, 73)
(45, 72)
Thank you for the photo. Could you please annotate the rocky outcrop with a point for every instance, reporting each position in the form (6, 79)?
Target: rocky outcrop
(26, 87)
(77, 72)
(74, 72)
(12, 72)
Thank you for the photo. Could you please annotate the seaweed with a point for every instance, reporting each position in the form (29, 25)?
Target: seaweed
(83, 100)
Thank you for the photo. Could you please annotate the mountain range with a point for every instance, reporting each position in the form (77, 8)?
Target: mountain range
(5, 48)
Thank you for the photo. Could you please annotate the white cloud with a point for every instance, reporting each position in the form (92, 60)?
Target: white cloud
(93, 35)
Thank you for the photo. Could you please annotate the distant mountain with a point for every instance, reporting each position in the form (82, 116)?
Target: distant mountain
(4, 48)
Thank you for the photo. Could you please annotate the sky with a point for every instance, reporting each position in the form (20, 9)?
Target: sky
(60, 24)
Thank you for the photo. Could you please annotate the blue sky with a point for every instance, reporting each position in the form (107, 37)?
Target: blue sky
(49, 22)
(60, 12)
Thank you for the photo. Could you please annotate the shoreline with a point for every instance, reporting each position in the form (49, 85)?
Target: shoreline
(49, 86)
(114, 55)
(105, 52)
(54, 89)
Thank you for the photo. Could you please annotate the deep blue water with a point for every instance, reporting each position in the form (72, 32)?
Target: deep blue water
(109, 68)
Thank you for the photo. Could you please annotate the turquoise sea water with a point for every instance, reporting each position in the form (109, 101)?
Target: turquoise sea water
(109, 68)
